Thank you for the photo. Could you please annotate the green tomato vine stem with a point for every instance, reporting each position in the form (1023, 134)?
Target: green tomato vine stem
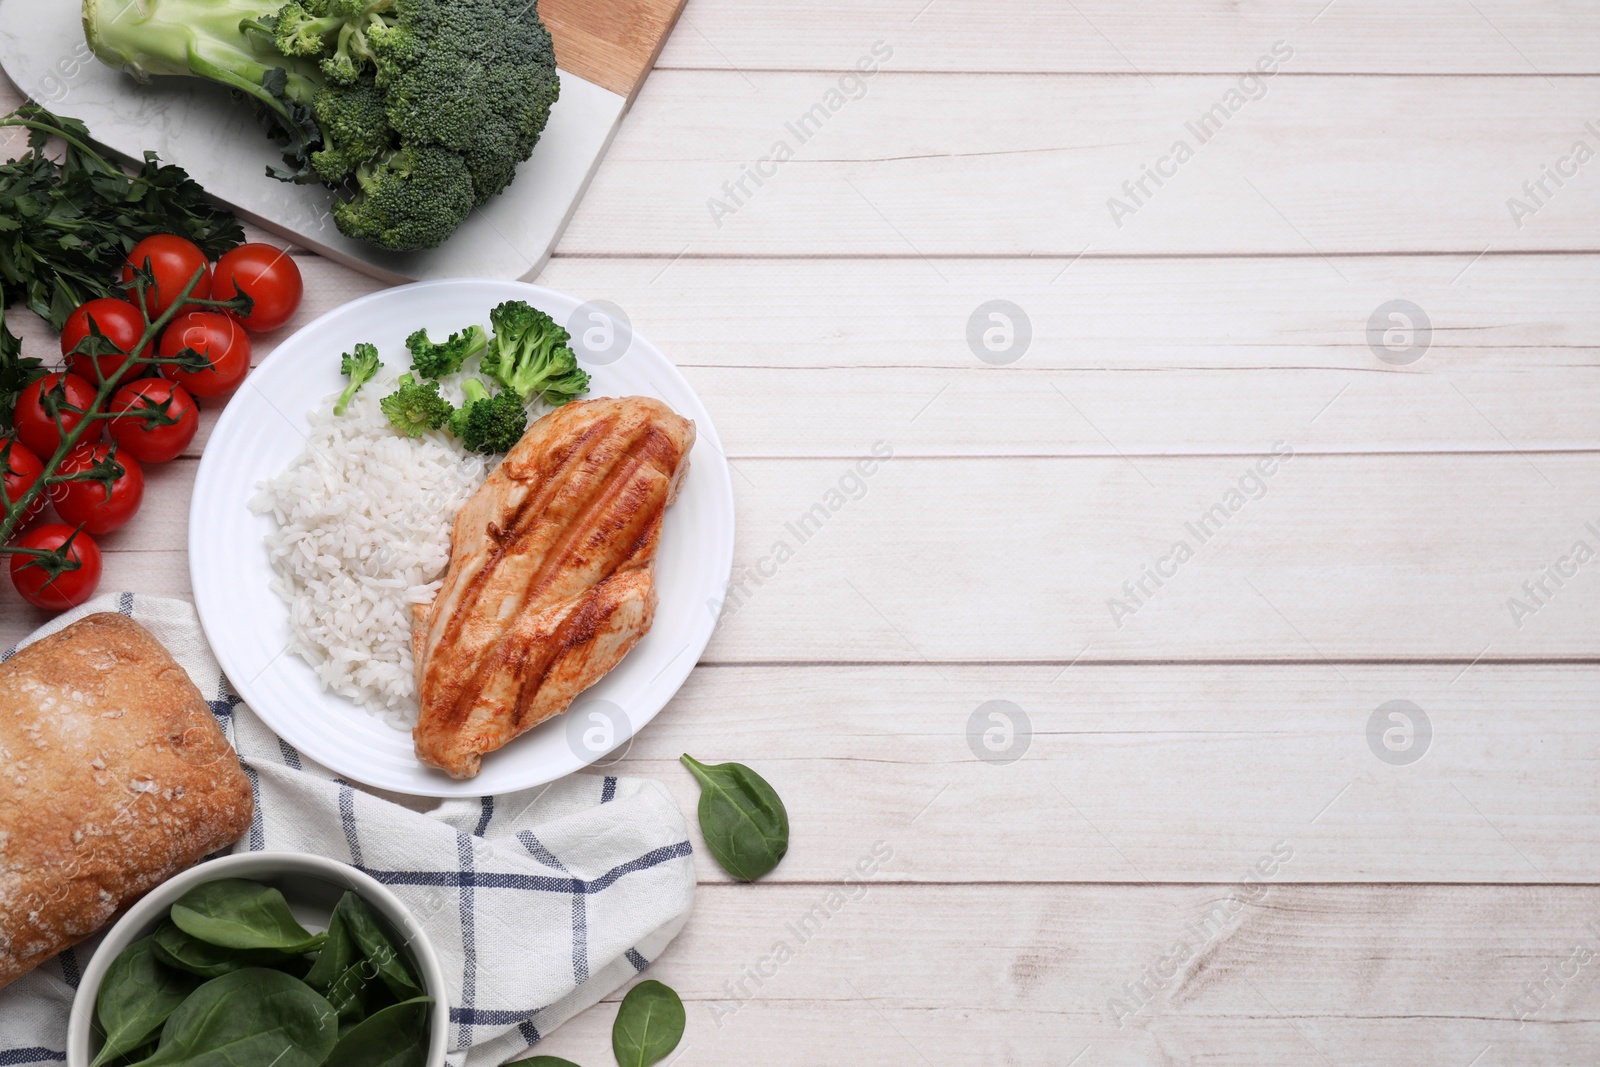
(14, 510)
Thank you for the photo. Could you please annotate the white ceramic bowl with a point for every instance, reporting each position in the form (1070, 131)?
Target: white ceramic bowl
(312, 885)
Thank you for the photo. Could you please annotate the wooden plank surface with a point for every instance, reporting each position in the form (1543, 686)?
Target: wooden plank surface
(970, 974)
(919, 561)
(1174, 356)
(1172, 774)
(952, 165)
(613, 43)
(1159, 37)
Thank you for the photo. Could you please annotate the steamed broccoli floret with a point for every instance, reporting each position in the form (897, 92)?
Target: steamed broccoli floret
(446, 357)
(413, 198)
(416, 407)
(488, 423)
(346, 86)
(529, 355)
(359, 367)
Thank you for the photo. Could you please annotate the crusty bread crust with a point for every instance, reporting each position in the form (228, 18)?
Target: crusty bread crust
(114, 776)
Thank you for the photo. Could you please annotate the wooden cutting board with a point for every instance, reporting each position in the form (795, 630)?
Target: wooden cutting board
(612, 43)
(604, 48)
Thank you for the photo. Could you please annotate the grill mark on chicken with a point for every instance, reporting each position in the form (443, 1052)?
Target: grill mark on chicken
(551, 579)
(571, 457)
(569, 635)
(507, 652)
(500, 534)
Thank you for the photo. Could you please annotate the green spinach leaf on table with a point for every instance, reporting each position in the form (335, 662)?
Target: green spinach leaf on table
(745, 824)
(649, 1025)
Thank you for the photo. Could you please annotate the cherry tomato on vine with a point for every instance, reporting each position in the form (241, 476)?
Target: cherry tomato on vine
(173, 261)
(95, 506)
(265, 274)
(139, 428)
(21, 469)
(35, 427)
(216, 337)
(119, 322)
(75, 583)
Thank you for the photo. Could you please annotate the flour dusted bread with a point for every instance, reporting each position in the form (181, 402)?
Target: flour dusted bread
(113, 777)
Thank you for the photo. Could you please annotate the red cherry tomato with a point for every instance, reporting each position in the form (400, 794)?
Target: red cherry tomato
(93, 505)
(120, 323)
(218, 338)
(266, 275)
(137, 428)
(35, 427)
(21, 469)
(72, 586)
(173, 260)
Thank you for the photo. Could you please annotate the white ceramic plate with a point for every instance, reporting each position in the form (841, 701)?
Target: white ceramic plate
(263, 428)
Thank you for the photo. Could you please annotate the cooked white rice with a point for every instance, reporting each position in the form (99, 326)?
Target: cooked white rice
(364, 517)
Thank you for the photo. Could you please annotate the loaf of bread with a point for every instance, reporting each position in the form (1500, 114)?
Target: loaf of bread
(114, 776)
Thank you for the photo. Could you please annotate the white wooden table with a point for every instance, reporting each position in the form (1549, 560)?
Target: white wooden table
(1209, 725)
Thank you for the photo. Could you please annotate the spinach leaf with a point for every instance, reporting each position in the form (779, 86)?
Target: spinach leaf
(393, 1037)
(137, 1056)
(338, 954)
(177, 949)
(744, 823)
(252, 1016)
(235, 913)
(350, 992)
(136, 996)
(375, 945)
(543, 1061)
(649, 1025)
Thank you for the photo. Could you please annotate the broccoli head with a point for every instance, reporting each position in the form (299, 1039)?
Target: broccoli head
(416, 407)
(409, 199)
(488, 423)
(529, 355)
(359, 366)
(446, 357)
(366, 96)
(476, 76)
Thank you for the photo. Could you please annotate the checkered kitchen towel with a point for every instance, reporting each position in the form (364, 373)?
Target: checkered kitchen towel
(538, 903)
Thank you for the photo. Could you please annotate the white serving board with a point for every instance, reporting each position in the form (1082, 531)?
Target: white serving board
(198, 126)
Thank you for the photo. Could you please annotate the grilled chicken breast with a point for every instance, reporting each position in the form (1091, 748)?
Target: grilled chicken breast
(551, 578)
